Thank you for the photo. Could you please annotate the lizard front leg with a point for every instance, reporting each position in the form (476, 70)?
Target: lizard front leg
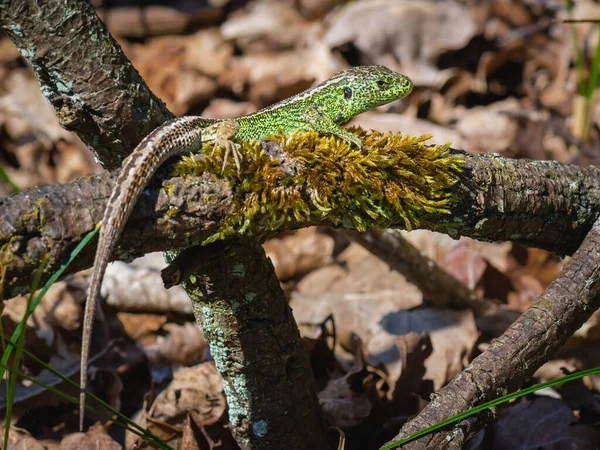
(318, 121)
(222, 134)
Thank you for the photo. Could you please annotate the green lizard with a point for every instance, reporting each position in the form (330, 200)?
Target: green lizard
(322, 108)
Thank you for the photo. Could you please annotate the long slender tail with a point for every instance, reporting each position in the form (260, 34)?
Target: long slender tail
(174, 137)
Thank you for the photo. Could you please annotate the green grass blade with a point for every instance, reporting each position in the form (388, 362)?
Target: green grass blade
(490, 404)
(144, 434)
(581, 87)
(21, 326)
(4, 177)
(595, 69)
(12, 380)
(90, 395)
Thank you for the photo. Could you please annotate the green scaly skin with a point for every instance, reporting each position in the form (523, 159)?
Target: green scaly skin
(322, 108)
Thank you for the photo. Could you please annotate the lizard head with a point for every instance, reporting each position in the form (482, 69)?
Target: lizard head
(362, 88)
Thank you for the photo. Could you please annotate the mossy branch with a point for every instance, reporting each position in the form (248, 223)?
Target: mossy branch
(394, 180)
(292, 183)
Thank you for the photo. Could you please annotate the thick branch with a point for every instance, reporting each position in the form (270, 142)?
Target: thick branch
(84, 74)
(542, 204)
(254, 339)
(513, 358)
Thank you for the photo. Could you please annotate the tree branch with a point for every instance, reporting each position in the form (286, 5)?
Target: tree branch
(513, 358)
(84, 74)
(541, 204)
(242, 311)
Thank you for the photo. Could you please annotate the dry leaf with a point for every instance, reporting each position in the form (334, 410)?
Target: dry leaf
(198, 388)
(139, 287)
(487, 129)
(95, 438)
(412, 33)
(343, 402)
(265, 26)
(299, 253)
(453, 334)
(543, 423)
(184, 344)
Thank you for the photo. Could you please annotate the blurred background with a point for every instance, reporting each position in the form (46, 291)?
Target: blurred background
(513, 77)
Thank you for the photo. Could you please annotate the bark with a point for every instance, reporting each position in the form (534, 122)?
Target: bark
(541, 204)
(84, 74)
(513, 358)
(253, 337)
(559, 200)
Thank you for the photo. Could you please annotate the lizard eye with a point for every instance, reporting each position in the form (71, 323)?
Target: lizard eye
(380, 83)
(347, 93)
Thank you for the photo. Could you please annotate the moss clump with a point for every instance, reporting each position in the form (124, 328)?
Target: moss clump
(394, 180)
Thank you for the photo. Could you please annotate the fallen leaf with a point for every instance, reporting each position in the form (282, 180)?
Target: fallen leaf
(198, 388)
(183, 344)
(544, 423)
(343, 402)
(95, 438)
(299, 253)
(413, 33)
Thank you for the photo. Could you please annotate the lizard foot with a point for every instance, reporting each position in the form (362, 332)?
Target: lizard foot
(233, 149)
(224, 133)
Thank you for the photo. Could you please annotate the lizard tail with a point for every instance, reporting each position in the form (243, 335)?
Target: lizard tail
(174, 137)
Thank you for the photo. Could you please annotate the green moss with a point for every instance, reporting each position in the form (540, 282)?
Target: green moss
(394, 180)
(169, 188)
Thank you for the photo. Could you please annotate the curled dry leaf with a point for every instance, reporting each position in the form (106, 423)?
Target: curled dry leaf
(413, 33)
(299, 253)
(194, 436)
(95, 438)
(414, 350)
(542, 423)
(453, 334)
(343, 401)
(184, 344)
(139, 287)
(266, 26)
(198, 388)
